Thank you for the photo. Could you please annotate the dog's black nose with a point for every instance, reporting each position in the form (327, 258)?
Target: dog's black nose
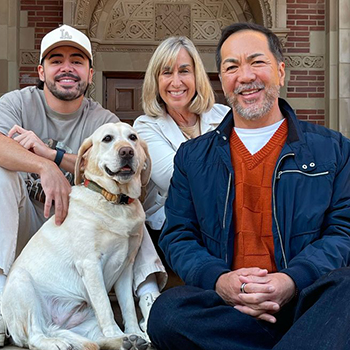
(126, 152)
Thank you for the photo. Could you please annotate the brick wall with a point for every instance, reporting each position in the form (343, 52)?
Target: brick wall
(43, 16)
(304, 16)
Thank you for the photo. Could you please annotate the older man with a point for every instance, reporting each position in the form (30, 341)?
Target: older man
(258, 219)
(41, 129)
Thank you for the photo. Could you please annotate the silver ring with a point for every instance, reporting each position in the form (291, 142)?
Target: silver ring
(242, 288)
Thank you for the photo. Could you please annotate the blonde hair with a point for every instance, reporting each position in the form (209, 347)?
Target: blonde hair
(165, 55)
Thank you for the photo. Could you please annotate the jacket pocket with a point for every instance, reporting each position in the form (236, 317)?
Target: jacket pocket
(280, 173)
(300, 240)
(211, 243)
(308, 235)
(211, 237)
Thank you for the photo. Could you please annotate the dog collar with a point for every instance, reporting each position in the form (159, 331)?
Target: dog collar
(115, 198)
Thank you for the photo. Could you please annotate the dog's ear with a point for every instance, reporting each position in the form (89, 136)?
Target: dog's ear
(147, 166)
(80, 162)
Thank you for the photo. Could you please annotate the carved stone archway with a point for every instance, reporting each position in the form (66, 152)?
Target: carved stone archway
(124, 33)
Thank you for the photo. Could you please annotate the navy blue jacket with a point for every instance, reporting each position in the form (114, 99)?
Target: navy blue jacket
(310, 204)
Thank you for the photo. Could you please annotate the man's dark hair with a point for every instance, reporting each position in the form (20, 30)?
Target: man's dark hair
(274, 43)
(40, 84)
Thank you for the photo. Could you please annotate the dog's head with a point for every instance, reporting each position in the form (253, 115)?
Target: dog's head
(116, 158)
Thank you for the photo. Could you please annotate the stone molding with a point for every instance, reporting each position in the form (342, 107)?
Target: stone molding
(304, 62)
(268, 13)
(28, 80)
(81, 15)
(30, 58)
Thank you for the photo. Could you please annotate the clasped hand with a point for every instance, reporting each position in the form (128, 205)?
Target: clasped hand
(265, 293)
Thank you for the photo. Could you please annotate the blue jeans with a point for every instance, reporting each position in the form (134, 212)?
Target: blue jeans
(190, 318)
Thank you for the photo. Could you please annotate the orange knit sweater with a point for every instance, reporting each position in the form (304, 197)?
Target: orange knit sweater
(252, 207)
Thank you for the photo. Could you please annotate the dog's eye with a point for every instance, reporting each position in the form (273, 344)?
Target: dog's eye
(107, 138)
(133, 137)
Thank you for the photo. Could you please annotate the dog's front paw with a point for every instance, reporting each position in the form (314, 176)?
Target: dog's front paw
(134, 342)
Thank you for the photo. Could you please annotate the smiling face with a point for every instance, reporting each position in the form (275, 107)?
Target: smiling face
(117, 151)
(251, 78)
(66, 73)
(115, 158)
(177, 85)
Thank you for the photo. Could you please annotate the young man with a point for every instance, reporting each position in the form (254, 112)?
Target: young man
(41, 130)
(258, 219)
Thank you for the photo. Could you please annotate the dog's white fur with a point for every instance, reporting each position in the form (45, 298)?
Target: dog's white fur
(56, 293)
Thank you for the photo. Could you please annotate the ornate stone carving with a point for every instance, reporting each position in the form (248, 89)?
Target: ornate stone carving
(96, 17)
(283, 41)
(118, 48)
(246, 10)
(226, 13)
(152, 21)
(304, 62)
(203, 49)
(147, 49)
(206, 30)
(92, 88)
(135, 19)
(172, 19)
(131, 21)
(30, 58)
(282, 35)
(82, 7)
(26, 79)
(266, 7)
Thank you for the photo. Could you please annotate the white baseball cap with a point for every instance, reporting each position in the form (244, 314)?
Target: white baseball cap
(65, 36)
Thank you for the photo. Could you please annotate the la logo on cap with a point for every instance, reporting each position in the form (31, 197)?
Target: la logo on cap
(65, 34)
(62, 36)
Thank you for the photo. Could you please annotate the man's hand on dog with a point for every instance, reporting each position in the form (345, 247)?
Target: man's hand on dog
(55, 185)
(56, 188)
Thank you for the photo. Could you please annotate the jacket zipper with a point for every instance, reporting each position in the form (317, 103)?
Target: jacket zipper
(277, 177)
(275, 209)
(300, 172)
(226, 203)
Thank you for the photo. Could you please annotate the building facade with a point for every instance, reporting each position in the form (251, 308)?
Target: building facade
(124, 33)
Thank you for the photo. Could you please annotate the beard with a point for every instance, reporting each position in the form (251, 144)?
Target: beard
(256, 110)
(67, 94)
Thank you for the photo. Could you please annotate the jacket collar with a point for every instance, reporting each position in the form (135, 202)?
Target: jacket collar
(296, 142)
(172, 132)
(209, 120)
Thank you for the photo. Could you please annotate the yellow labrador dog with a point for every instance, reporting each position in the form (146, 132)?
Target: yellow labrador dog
(56, 295)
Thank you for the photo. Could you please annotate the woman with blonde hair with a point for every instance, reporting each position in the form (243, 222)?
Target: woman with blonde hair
(178, 102)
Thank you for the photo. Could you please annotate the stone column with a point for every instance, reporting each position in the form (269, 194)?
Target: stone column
(68, 11)
(332, 59)
(9, 44)
(344, 67)
(338, 49)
